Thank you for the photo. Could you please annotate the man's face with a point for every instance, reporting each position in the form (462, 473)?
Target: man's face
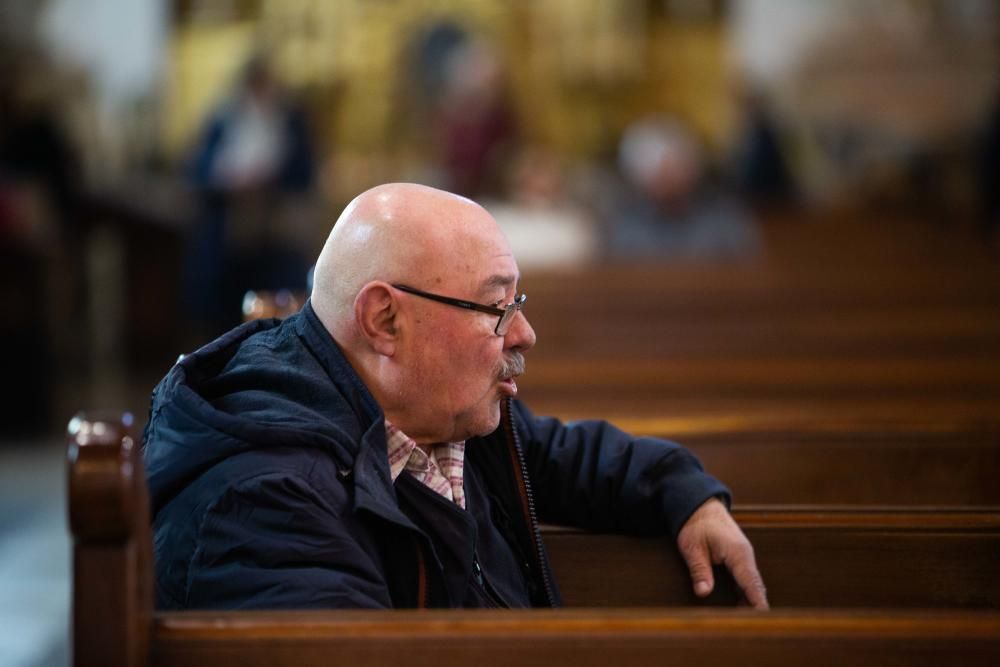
(460, 369)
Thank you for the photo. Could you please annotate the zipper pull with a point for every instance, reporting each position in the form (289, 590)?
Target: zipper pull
(476, 570)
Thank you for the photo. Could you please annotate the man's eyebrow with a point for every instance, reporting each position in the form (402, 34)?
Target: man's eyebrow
(498, 280)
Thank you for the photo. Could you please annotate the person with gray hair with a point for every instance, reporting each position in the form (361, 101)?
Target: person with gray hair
(668, 209)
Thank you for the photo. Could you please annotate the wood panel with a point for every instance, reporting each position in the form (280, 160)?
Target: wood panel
(802, 460)
(577, 637)
(809, 557)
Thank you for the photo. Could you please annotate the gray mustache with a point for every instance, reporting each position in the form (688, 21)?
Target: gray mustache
(512, 365)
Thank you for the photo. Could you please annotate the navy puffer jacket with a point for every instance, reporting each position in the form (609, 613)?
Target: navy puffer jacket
(270, 486)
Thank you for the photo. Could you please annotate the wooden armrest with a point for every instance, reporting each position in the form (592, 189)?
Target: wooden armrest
(112, 542)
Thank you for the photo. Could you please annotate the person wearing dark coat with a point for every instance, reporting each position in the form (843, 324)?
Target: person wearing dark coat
(253, 162)
(369, 451)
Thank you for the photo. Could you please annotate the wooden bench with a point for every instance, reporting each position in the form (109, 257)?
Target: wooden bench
(112, 542)
(776, 377)
(809, 557)
(582, 638)
(820, 558)
(640, 330)
(776, 285)
(800, 409)
(803, 459)
(644, 340)
(672, 312)
(831, 388)
(817, 327)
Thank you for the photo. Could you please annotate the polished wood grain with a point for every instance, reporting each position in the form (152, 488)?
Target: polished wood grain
(578, 637)
(796, 459)
(809, 557)
(112, 543)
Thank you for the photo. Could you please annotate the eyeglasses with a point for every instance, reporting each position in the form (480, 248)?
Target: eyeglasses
(506, 314)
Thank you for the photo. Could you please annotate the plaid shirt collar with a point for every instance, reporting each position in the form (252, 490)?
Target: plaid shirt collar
(442, 470)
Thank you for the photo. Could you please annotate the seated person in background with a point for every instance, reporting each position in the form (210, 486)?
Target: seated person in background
(543, 224)
(368, 451)
(667, 208)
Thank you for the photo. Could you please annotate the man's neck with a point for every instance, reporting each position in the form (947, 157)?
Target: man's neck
(402, 413)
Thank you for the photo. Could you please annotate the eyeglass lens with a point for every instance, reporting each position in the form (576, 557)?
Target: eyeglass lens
(508, 316)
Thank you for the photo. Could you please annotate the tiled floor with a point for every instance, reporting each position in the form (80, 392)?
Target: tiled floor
(34, 555)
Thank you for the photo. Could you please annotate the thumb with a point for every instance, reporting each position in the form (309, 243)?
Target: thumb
(700, 566)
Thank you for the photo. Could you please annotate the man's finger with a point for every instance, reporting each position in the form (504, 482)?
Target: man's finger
(699, 565)
(744, 569)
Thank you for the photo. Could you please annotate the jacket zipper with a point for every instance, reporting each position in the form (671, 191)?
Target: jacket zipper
(527, 500)
(491, 594)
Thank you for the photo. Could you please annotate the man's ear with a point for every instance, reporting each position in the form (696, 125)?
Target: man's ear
(375, 310)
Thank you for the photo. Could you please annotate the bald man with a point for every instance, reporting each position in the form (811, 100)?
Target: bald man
(369, 451)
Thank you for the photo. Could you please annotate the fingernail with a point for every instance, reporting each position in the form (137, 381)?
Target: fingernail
(702, 588)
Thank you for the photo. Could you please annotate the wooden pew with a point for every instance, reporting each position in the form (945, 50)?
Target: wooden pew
(797, 409)
(644, 330)
(629, 342)
(112, 542)
(809, 557)
(776, 377)
(832, 388)
(803, 459)
(114, 623)
(642, 340)
(647, 310)
(817, 325)
(581, 638)
(778, 284)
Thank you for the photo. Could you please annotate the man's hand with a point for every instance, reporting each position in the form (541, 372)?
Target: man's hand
(710, 537)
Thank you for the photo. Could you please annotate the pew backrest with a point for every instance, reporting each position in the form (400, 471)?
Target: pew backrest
(820, 557)
(844, 461)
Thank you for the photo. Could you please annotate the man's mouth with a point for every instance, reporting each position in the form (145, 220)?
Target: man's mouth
(511, 368)
(508, 386)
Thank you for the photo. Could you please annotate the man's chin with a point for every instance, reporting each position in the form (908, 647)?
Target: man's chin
(488, 423)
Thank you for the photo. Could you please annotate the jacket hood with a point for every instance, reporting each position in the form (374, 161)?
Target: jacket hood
(264, 384)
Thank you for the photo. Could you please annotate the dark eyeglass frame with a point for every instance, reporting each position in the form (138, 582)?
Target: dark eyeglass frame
(506, 314)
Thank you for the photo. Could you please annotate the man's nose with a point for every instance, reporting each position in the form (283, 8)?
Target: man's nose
(520, 336)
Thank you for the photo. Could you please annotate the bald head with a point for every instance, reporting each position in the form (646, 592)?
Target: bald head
(437, 372)
(398, 233)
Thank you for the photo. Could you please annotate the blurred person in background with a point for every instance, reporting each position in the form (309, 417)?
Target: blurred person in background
(253, 160)
(545, 226)
(668, 208)
(474, 123)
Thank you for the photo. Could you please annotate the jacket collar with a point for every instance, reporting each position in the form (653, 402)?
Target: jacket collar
(373, 488)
